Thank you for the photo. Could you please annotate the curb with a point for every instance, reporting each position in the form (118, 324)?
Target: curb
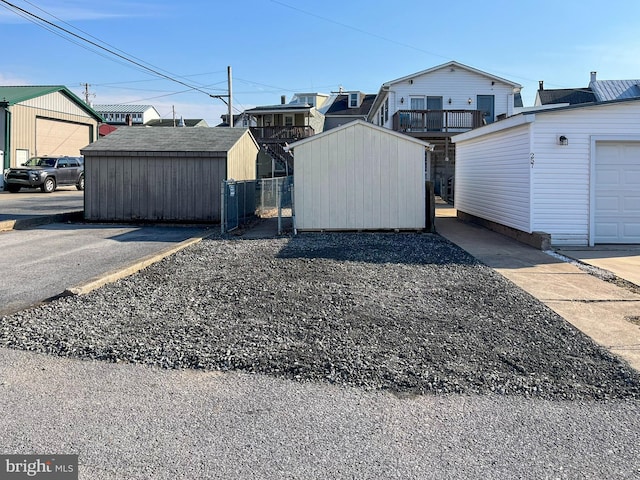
(110, 277)
(37, 221)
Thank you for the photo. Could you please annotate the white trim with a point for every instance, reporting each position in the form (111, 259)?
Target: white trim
(452, 65)
(494, 127)
(592, 168)
(351, 124)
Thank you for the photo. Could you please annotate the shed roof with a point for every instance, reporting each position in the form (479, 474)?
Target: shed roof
(145, 139)
(363, 124)
(21, 93)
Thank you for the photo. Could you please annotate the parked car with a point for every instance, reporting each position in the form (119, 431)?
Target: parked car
(48, 173)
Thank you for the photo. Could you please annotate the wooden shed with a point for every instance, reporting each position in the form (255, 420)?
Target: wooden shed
(571, 172)
(164, 174)
(360, 177)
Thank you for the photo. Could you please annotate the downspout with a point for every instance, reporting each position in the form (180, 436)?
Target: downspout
(7, 136)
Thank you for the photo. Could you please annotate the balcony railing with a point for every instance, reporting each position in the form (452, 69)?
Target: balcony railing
(422, 121)
(281, 133)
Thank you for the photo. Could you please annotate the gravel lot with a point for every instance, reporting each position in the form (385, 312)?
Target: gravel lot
(410, 313)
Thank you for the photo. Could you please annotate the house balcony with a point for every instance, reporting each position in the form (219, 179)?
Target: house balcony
(281, 134)
(436, 123)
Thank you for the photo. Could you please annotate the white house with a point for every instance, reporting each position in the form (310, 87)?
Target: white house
(437, 103)
(127, 114)
(359, 176)
(572, 172)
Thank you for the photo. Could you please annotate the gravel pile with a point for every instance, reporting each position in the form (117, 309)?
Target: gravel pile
(411, 313)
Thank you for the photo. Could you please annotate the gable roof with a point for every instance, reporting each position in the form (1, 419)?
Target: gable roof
(340, 105)
(165, 140)
(17, 94)
(530, 116)
(360, 123)
(452, 64)
(123, 108)
(615, 89)
(571, 96)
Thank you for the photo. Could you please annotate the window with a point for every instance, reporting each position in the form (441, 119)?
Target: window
(386, 110)
(354, 100)
(308, 99)
(288, 120)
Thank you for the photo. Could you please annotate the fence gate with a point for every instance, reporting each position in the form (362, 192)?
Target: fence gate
(238, 203)
(242, 200)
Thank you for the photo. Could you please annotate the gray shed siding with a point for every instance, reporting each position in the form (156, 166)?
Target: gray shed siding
(153, 187)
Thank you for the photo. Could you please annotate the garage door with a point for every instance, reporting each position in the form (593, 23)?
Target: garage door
(54, 137)
(617, 192)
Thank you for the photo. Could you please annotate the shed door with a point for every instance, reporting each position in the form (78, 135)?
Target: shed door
(617, 192)
(54, 137)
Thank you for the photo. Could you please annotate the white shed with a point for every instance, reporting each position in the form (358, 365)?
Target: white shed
(360, 177)
(571, 172)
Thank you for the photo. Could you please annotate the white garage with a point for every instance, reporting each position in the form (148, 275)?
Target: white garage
(617, 192)
(360, 177)
(570, 172)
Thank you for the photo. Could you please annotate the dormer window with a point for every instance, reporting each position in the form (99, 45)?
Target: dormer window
(354, 100)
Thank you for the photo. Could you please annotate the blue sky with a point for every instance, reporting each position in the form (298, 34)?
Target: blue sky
(279, 47)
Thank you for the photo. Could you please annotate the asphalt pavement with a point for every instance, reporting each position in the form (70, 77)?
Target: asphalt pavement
(135, 422)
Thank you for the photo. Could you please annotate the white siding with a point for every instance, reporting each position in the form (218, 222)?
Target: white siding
(493, 175)
(562, 174)
(459, 85)
(359, 178)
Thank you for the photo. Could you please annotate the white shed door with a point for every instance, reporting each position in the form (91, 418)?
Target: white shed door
(55, 137)
(617, 192)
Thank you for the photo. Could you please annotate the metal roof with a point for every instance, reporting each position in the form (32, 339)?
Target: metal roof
(169, 140)
(122, 108)
(615, 89)
(21, 93)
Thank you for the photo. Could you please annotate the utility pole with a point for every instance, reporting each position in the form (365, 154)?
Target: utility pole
(230, 97)
(86, 92)
(228, 102)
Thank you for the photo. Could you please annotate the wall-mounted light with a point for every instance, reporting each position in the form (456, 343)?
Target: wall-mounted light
(401, 99)
(563, 140)
(469, 101)
(449, 100)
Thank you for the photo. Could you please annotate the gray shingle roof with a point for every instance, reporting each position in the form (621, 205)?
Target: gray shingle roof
(340, 105)
(572, 96)
(143, 139)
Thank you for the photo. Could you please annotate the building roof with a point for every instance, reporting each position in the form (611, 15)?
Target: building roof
(17, 94)
(123, 108)
(167, 140)
(615, 89)
(340, 106)
(169, 122)
(282, 108)
(530, 116)
(571, 96)
(454, 65)
(361, 123)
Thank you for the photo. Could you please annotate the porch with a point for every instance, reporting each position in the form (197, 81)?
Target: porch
(436, 122)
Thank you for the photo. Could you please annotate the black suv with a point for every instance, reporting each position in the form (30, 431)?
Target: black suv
(47, 173)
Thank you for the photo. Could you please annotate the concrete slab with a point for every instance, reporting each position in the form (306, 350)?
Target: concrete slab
(621, 260)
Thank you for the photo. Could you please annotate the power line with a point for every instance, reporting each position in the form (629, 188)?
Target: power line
(116, 54)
